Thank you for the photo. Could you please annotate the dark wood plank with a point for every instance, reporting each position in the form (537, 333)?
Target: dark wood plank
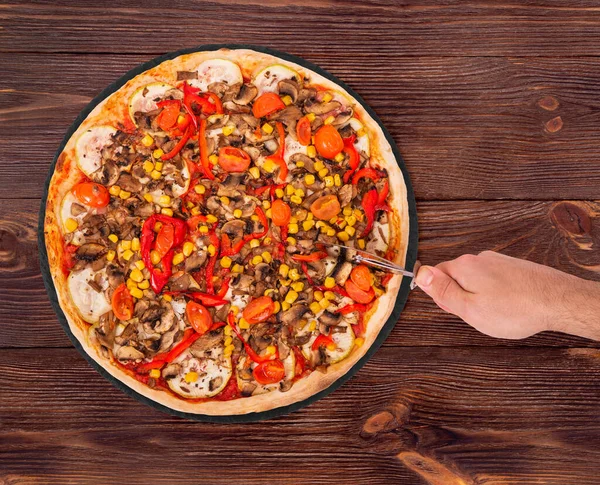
(468, 128)
(417, 28)
(556, 233)
(452, 416)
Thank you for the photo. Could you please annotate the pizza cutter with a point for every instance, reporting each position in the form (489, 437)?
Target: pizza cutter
(359, 256)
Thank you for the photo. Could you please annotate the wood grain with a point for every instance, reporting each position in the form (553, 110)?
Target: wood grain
(78, 428)
(545, 232)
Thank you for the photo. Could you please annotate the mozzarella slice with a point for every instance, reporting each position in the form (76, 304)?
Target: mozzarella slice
(146, 97)
(88, 149)
(344, 343)
(268, 79)
(362, 142)
(90, 304)
(208, 369)
(217, 70)
(65, 213)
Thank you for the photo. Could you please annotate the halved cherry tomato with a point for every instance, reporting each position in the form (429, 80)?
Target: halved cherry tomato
(361, 277)
(266, 104)
(259, 309)
(122, 303)
(269, 372)
(328, 141)
(280, 213)
(92, 194)
(326, 207)
(198, 317)
(357, 294)
(167, 118)
(164, 240)
(233, 159)
(303, 131)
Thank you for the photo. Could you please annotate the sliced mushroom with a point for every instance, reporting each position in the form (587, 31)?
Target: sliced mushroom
(107, 174)
(285, 385)
(234, 229)
(167, 319)
(313, 106)
(184, 282)
(248, 388)
(115, 276)
(129, 183)
(128, 353)
(329, 318)
(167, 340)
(215, 383)
(289, 87)
(152, 314)
(247, 93)
(345, 195)
(77, 209)
(207, 342)
(186, 75)
(262, 272)
(195, 261)
(170, 371)
(309, 163)
(306, 93)
(343, 117)
(90, 252)
(294, 314)
(341, 272)
(288, 116)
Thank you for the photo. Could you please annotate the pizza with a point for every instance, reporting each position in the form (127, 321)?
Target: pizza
(192, 227)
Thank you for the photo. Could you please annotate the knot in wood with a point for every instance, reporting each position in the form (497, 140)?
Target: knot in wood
(554, 125)
(549, 103)
(571, 218)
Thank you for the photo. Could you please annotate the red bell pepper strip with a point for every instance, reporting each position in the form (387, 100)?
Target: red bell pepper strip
(367, 173)
(316, 256)
(158, 279)
(353, 157)
(224, 288)
(216, 325)
(204, 150)
(216, 101)
(336, 289)
(369, 204)
(304, 266)
(189, 337)
(265, 223)
(386, 279)
(356, 307)
(301, 364)
(193, 222)
(206, 299)
(180, 144)
(277, 157)
(322, 340)
(227, 249)
(259, 359)
(381, 203)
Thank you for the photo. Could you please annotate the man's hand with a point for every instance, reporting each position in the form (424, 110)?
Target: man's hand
(511, 298)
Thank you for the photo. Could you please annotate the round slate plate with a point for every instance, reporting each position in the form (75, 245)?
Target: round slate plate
(411, 255)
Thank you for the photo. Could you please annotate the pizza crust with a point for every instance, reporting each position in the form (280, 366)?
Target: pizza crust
(114, 111)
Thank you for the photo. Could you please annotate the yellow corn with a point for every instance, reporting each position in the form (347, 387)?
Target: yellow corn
(167, 297)
(228, 341)
(327, 97)
(114, 190)
(337, 180)
(295, 199)
(191, 377)
(323, 173)
(164, 200)
(136, 293)
(124, 194)
(225, 200)
(319, 165)
(361, 132)
(226, 262)
(136, 275)
(269, 165)
(211, 249)
(328, 181)
(308, 225)
(347, 211)
(358, 214)
(237, 268)
(285, 306)
(271, 349)
(211, 219)
(227, 328)
(71, 224)
(329, 120)
(289, 189)
(293, 274)
(144, 285)
(135, 244)
(359, 342)
(324, 303)
(203, 229)
(290, 240)
(311, 117)
(131, 284)
(188, 248)
(155, 373)
(299, 164)
(139, 264)
(155, 174)
(309, 216)
(267, 128)
(237, 213)
(279, 193)
(267, 257)
(350, 220)
(199, 188)
(254, 243)
(284, 270)
(228, 130)
(329, 282)
(329, 295)
(148, 166)
(255, 172)
(266, 204)
(158, 153)
(155, 257)
(213, 159)
(125, 244)
(244, 324)
(339, 157)
(311, 151)
(342, 223)
(293, 228)
(287, 100)
(267, 241)
(318, 295)
(350, 230)
(110, 255)
(309, 179)
(257, 260)
(178, 258)
(276, 307)
(315, 307)
(147, 141)
(298, 286)
(330, 232)
(148, 198)
(166, 211)
(343, 236)
(361, 243)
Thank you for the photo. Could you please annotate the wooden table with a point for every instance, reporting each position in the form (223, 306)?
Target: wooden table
(496, 109)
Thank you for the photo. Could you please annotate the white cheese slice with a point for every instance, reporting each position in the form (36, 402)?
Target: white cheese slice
(208, 368)
(267, 80)
(65, 213)
(344, 342)
(88, 149)
(217, 70)
(145, 98)
(90, 304)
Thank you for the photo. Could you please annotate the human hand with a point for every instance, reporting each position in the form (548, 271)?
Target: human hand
(511, 298)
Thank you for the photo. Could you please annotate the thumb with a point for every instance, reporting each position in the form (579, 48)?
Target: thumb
(444, 290)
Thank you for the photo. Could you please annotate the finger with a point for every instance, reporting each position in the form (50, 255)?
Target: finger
(444, 290)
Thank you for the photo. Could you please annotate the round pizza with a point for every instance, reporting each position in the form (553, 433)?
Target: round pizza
(197, 228)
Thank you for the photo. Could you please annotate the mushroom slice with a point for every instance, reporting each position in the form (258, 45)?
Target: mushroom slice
(289, 87)
(344, 343)
(294, 314)
(90, 303)
(217, 70)
(247, 93)
(343, 117)
(313, 106)
(107, 174)
(90, 251)
(67, 212)
(342, 272)
(145, 98)
(267, 80)
(128, 353)
(213, 373)
(89, 146)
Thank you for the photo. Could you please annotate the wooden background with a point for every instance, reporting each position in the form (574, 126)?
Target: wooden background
(495, 108)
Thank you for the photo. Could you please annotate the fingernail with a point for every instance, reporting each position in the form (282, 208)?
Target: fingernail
(424, 277)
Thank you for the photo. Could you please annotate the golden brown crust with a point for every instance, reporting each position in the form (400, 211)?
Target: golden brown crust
(113, 111)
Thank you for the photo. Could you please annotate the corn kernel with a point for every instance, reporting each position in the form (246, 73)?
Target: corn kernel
(343, 236)
(311, 117)
(158, 153)
(166, 211)
(283, 282)
(257, 260)
(293, 228)
(228, 130)
(237, 213)
(178, 258)
(328, 181)
(287, 100)
(269, 165)
(213, 159)
(71, 224)
(211, 219)
(324, 303)
(315, 307)
(350, 230)
(167, 297)
(255, 172)
(131, 284)
(361, 132)
(327, 97)
(299, 193)
(191, 377)
(339, 157)
(226, 262)
(291, 296)
(358, 214)
(203, 229)
(267, 257)
(114, 190)
(110, 255)
(228, 341)
(139, 264)
(323, 173)
(300, 164)
(337, 180)
(298, 286)
(329, 282)
(342, 223)
(311, 151)
(227, 328)
(237, 268)
(271, 349)
(188, 248)
(329, 120)
(136, 275)
(267, 128)
(254, 243)
(291, 240)
(244, 324)
(267, 241)
(234, 309)
(225, 200)
(359, 342)
(266, 204)
(295, 199)
(319, 165)
(199, 188)
(329, 295)
(155, 174)
(330, 232)
(285, 306)
(155, 257)
(124, 194)
(148, 166)
(361, 243)
(155, 373)
(347, 211)
(164, 200)
(293, 274)
(318, 295)
(136, 293)
(147, 141)
(125, 244)
(308, 225)
(148, 198)
(309, 216)
(279, 193)
(378, 292)
(289, 189)
(284, 270)
(276, 307)
(144, 285)
(212, 250)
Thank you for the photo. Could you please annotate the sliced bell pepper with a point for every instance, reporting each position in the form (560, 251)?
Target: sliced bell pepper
(278, 156)
(304, 266)
(368, 172)
(216, 101)
(322, 341)
(180, 144)
(204, 150)
(262, 217)
(336, 289)
(227, 249)
(356, 307)
(369, 204)
(316, 256)
(224, 288)
(159, 360)
(353, 157)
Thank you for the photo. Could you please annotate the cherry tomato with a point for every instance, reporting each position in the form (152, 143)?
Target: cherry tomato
(167, 118)
(328, 141)
(198, 317)
(164, 240)
(122, 302)
(269, 372)
(361, 277)
(357, 294)
(184, 121)
(326, 207)
(266, 104)
(280, 213)
(92, 194)
(233, 159)
(259, 309)
(303, 131)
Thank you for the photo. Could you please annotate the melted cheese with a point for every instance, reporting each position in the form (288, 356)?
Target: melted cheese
(376, 242)
(90, 303)
(268, 79)
(65, 213)
(88, 149)
(292, 147)
(145, 98)
(217, 70)
(362, 142)
(344, 343)
(208, 368)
